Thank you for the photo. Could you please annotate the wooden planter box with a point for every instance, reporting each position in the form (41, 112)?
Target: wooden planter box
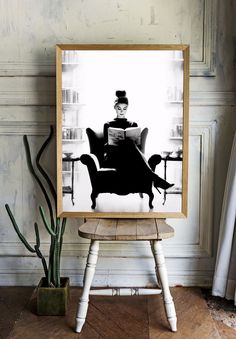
(52, 301)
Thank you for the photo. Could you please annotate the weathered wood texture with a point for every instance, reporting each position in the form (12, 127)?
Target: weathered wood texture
(194, 319)
(13, 301)
(126, 229)
(126, 317)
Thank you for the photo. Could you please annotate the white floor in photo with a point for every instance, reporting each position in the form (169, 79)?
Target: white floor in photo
(107, 202)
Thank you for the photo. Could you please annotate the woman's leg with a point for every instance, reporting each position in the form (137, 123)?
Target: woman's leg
(132, 161)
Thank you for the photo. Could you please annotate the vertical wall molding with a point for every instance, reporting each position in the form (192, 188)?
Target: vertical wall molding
(206, 132)
(206, 66)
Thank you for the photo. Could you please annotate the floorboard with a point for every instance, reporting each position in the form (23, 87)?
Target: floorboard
(126, 314)
(136, 317)
(194, 319)
(225, 331)
(12, 302)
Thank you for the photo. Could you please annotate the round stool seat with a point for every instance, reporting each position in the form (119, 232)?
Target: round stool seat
(126, 229)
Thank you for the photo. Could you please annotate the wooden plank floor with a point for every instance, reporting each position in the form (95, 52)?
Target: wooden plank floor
(111, 317)
(13, 301)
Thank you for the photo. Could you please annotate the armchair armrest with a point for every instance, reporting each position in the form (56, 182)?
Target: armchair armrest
(91, 161)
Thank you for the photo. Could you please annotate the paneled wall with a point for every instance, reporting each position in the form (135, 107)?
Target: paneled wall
(29, 32)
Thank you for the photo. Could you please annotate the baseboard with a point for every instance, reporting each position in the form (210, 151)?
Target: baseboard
(119, 271)
(110, 279)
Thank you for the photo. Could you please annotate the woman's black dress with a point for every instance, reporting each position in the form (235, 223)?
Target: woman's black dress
(128, 158)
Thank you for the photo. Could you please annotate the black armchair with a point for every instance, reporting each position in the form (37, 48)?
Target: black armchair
(96, 143)
(110, 180)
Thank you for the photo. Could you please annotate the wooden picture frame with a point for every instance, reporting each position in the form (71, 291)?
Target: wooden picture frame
(156, 83)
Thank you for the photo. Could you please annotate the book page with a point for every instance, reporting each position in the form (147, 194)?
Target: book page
(115, 135)
(134, 133)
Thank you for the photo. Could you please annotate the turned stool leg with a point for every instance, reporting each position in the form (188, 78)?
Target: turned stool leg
(88, 277)
(161, 271)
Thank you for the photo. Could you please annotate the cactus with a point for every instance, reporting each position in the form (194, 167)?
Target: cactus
(55, 227)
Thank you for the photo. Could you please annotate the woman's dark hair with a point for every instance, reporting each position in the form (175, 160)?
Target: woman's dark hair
(121, 98)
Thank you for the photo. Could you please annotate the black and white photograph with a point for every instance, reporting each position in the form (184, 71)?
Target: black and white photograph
(122, 139)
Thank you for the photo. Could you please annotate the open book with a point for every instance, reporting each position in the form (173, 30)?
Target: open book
(117, 134)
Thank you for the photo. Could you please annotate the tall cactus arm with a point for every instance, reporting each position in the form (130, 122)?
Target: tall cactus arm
(63, 226)
(32, 171)
(57, 264)
(56, 256)
(39, 254)
(36, 229)
(50, 261)
(40, 168)
(48, 228)
(20, 235)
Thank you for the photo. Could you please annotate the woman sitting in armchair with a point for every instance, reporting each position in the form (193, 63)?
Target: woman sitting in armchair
(126, 155)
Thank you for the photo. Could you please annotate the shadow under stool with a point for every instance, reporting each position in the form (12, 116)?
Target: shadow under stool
(152, 230)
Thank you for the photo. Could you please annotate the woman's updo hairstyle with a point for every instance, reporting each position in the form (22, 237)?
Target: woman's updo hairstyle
(121, 98)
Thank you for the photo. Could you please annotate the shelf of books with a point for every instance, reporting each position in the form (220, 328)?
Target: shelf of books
(73, 132)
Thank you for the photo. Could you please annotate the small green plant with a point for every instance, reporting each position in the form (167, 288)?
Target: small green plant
(55, 226)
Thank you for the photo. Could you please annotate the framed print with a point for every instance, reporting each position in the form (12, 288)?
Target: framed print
(122, 130)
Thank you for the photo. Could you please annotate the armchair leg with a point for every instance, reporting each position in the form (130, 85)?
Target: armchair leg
(151, 197)
(93, 198)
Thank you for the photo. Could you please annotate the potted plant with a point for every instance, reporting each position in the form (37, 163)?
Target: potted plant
(52, 291)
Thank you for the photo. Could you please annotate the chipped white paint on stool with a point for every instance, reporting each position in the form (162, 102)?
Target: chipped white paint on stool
(88, 277)
(161, 272)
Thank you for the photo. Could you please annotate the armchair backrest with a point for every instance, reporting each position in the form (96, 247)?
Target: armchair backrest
(96, 142)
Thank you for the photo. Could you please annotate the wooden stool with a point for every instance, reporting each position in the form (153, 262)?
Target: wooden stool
(153, 230)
